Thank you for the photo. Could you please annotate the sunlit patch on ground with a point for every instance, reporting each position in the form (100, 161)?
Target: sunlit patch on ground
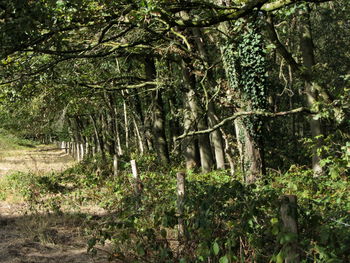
(28, 237)
(42, 159)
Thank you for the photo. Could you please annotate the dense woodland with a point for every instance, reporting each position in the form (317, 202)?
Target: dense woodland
(250, 98)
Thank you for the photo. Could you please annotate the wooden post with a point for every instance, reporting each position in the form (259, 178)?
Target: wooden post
(137, 182)
(78, 151)
(88, 149)
(180, 177)
(82, 151)
(115, 165)
(73, 150)
(288, 212)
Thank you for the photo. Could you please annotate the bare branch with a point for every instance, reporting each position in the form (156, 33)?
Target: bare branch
(122, 86)
(245, 113)
(301, 71)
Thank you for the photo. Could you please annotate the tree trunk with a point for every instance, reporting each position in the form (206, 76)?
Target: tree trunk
(307, 51)
(188, 144)
(139, 139)
(141, 118)
(288, 212)
(118, 144)
(197, 118)
(249, 87)
(216, 138)
(99, 138)
(249, 151)
(158, 115)
(216, 135)
(126, 124)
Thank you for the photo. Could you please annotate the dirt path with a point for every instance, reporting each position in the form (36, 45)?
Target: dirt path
(39, 238)
(42, 159)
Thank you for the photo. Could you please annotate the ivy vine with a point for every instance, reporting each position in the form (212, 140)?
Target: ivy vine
(245, 62)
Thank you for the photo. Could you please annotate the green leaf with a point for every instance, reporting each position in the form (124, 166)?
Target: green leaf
(274, 220)
(223, 259)
(279, 257)
(275, 230)
(334, 172)
(216, 248)
(287, 238)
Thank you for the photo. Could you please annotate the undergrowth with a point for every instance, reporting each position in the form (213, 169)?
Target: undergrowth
(225, 220)
(9, 141)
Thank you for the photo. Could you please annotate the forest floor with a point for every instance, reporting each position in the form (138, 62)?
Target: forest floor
(35, 237)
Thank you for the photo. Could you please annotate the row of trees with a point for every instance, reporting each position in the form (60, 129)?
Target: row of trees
(219, 84)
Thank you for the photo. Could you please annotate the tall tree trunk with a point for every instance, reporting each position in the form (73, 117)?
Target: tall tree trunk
(250, 90)
(216, 135)
(198, 117)
(111, 119)
(99, 137)
(249, 151)
(174, 125)
(139, 139)
(217, 138)
(307, 51)
(77, 130)
(118, 144)
(141, 118)
(158, 114)
(126, 124)
(188, 144)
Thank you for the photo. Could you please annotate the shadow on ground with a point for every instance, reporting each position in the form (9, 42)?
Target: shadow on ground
(43, 238)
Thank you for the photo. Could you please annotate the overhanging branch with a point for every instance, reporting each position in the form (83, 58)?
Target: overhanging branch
(245, 113)
(121, 86)
(268, 7)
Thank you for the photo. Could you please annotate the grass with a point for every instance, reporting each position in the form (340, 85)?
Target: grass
(12, 142)
(22, 162)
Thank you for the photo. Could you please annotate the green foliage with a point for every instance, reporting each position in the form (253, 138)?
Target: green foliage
(31, 188)
(10, 141)
(67, 62)
(226, 221)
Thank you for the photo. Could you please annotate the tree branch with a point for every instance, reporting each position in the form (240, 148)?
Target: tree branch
(122, 87)
(245, 10)
(301, 71)
(245, 113)
(268, 7)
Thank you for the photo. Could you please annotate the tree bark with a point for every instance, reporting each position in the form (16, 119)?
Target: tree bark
(307, 51)
(288, 212)
(158, 114)
(99, 137)
(139, 139)
(188, 144)
(126, 124)
(216, 135)
(197, 118)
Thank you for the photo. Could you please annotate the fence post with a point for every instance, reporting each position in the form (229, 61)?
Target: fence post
(115, 164)
(136, 177)
(288, 212)
(181, 186)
